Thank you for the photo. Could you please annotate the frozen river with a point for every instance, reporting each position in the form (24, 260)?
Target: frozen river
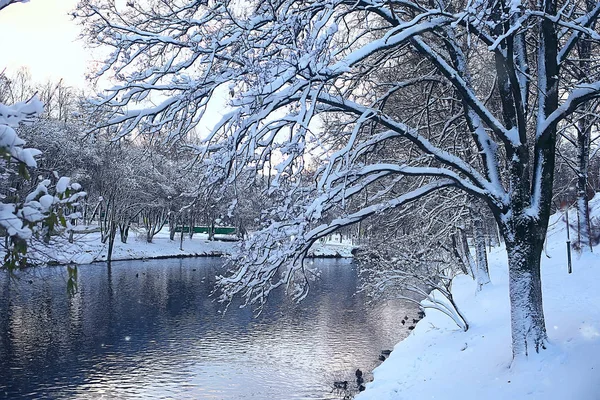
(150, 330)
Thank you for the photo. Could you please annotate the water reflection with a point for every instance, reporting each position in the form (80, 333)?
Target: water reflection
(150, 330)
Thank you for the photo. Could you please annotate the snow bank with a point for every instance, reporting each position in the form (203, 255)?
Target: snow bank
(88, 248)
(437, 361)
(332, 249)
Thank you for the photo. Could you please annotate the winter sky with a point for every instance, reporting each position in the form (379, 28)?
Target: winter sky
(42, 36)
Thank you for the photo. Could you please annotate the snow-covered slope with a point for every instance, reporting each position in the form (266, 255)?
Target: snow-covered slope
(437, 361)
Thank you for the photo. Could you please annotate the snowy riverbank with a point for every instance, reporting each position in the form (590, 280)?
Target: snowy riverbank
(87, 248)
(438, 361)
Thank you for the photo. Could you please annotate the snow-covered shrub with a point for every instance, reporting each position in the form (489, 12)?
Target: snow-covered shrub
(47, 207)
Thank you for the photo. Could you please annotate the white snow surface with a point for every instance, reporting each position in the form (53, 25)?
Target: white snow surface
(88, 248)
(438, 361)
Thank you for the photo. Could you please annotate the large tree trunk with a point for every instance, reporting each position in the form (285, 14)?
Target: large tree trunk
(524, 244)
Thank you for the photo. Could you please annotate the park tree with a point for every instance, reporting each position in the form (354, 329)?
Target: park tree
(285, 63)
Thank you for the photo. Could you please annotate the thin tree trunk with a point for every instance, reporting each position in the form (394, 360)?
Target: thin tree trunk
(172, 225)
(111, 240)
(482, 274)
(470, 263)
(181, 235)
(457, 248)
(192, 223)
(211, 228)
(584, 128)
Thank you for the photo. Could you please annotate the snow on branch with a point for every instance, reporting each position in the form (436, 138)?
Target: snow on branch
(6, 3)
(11, 117)
(275, 256)
(478, 183)
(579, 95)
(585, 22)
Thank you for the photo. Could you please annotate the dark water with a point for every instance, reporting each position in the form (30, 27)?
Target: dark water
(159, 335)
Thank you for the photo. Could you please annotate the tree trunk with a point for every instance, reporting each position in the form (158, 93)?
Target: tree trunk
(124, 231)
(524, 244)
(172, 225)
(482, 274)
(181, 235)
(111, 240)
(459, 254)
(466, 253)
(211, 229)
(192, 223)
(584, 128)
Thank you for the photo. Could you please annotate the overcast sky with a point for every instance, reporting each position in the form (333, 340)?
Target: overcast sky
(42, 36)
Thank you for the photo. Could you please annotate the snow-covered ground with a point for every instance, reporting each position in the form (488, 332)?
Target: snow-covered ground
(88, 248)
(437, 361)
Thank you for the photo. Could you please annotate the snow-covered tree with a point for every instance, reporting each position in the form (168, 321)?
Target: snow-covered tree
(286, 62)
(36, 211)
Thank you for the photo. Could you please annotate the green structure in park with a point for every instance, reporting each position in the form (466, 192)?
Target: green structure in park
(217, 230)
